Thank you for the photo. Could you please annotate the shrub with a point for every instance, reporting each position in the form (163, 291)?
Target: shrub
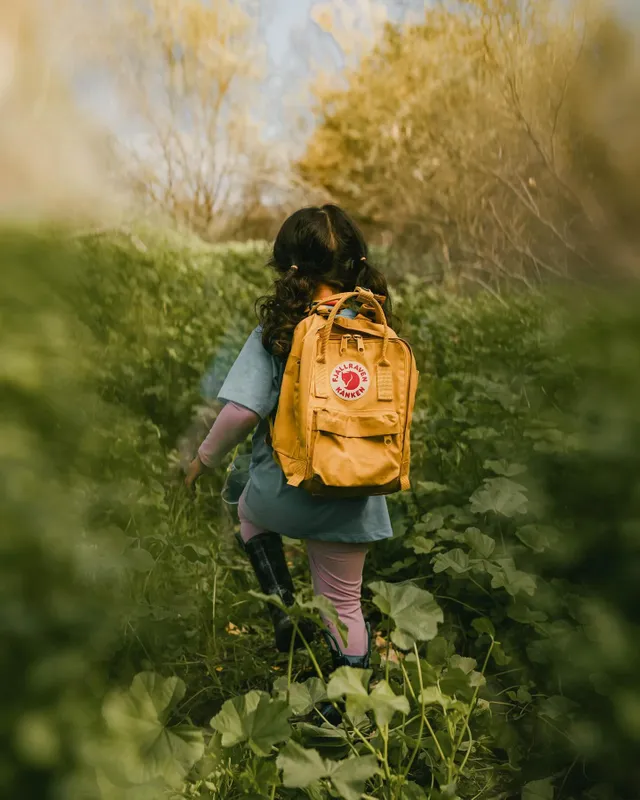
(504, 604)
(479, 140)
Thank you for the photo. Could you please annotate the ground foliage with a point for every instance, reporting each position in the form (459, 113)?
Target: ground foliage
(136, 662)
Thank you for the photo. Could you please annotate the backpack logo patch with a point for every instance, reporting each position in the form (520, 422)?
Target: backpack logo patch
(350, 380)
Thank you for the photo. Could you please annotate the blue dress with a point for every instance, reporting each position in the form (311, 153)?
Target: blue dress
(254, 382)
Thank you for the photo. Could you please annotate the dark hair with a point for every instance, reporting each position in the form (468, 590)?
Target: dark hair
(314, 245)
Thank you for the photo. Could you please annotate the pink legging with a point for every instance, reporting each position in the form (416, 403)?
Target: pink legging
(336, 567)
(336, 573)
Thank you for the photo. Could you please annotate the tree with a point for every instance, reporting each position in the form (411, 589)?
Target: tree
(50, 156)
(455, 137)
(190, 72)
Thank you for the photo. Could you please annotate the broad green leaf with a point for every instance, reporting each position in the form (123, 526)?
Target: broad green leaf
(164, 694)
(432, 695)
(523, 695)
(326, 734)
(461, 675)
(145, 748)
(476, 679)
(167, 753)
(430, 522)
(327, 611)
(537, 537)
(448, 791)
(211, 758)
(520, 612)
(454, 682)
(253, 718)
(314, 692)
(300, 767)
(538, 790)
(467, 665)
(269, 725)
(384, 703)
(351, 683)
(231, 719)
(430, 487)
(446, 534)
(273, 599)
(499, 496)
(557, 707)
(430, 674)
(503, 467)
(280, 687)
(308, 608)
(505, 575)
(411, 791)
(439, 651)
(455, 560)
(302, 696)
(399, 528)
(484, 625)
(420, 545)
(499, 656)
(264, 775)
(479, 542)
(329, 742)
(350, 776)
(454, 514)
(414, 611)
(398, 566)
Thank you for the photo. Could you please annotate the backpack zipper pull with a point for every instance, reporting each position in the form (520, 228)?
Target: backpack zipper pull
(359, 342)
(344, 344)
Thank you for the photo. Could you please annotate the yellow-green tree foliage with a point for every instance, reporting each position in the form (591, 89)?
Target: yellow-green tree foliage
(188, 73)
(486, 136)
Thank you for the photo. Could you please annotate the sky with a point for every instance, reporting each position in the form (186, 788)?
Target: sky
(284, 27)
(280, 23)
(294, 44)
(294, 47)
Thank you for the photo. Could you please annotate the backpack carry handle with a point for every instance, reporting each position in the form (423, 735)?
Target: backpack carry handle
(381, 318)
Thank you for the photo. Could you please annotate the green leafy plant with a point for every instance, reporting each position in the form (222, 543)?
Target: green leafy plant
(503, 609)
(143, 747)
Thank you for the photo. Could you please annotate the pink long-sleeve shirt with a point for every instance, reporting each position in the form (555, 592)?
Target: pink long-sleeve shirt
(231, 427)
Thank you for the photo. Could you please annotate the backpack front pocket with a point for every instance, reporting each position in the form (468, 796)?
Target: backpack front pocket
(356, 450)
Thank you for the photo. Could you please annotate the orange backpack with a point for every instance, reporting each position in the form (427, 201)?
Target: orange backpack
(344, 415)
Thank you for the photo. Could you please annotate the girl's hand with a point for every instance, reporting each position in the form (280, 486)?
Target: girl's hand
(194, 471)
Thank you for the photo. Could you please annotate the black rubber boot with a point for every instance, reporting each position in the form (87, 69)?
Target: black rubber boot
(267, 558)
(339, 659)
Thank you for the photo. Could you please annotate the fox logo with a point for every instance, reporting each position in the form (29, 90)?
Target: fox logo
(350, 380)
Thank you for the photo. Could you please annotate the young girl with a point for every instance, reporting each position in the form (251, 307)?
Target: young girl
(317, 253)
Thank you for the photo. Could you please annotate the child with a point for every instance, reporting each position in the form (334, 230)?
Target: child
(317, 253)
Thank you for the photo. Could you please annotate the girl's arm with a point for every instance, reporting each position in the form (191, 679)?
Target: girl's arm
(232, 426)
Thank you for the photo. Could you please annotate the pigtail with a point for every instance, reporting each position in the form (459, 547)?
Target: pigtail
(282, 310)
(369, 277)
